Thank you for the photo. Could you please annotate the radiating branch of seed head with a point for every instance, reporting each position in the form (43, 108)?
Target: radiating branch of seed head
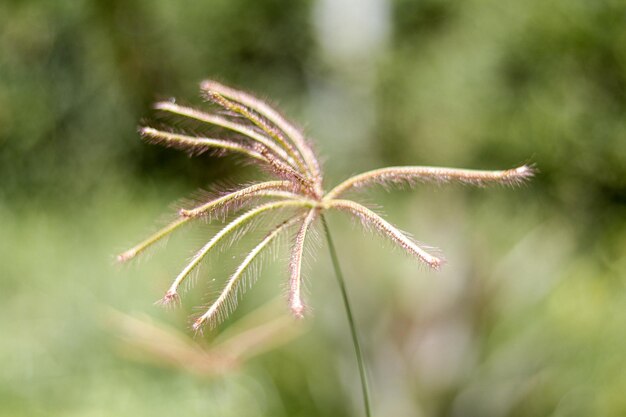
(283, 170)
(205, 209)
(434, 174)
(270, 130)
(217, 310)
(369, 218)
(273, 116)
(295, 266)
(197, 144)
(236, 197)
(151, 240)
(229, 228)
(227, 124)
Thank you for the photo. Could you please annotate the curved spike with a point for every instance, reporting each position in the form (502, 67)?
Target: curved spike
(273, 116)
(261, 123)
(419, 173)
(198, 144)
(368, 217)
(244, 193)
(192, 113)
(221, 302)
(230, 227)
(256, 190)
(295, 265)
(151, 240)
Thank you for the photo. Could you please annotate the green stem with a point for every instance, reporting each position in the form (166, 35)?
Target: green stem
(353, 331)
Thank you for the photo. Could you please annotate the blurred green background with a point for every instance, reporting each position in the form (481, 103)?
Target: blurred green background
(528, 318)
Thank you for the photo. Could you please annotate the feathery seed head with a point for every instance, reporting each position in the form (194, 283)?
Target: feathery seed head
(170, 299)
(125, 256)
(269, 140)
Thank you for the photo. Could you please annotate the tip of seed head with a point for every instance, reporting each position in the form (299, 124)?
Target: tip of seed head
(212, 95)
(436, 263)
(185, 213)
(125, 256)
(207, 85)
(145, 130)
(163, 105)
(170, 299)
(197, 324)
(298, 310)
(523, 170)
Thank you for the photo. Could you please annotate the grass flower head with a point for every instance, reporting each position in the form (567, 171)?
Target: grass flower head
(257, 131)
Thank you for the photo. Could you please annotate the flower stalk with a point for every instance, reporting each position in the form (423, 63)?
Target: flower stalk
(351, 323)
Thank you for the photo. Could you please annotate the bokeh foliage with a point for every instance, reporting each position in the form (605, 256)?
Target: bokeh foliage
(529, 316)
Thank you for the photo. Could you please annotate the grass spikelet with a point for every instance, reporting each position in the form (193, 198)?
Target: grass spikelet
(369, 218)
(410, 174)
(296, 304)
(236, 197)
(151, 240)
(263, 136)
(227, 300)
